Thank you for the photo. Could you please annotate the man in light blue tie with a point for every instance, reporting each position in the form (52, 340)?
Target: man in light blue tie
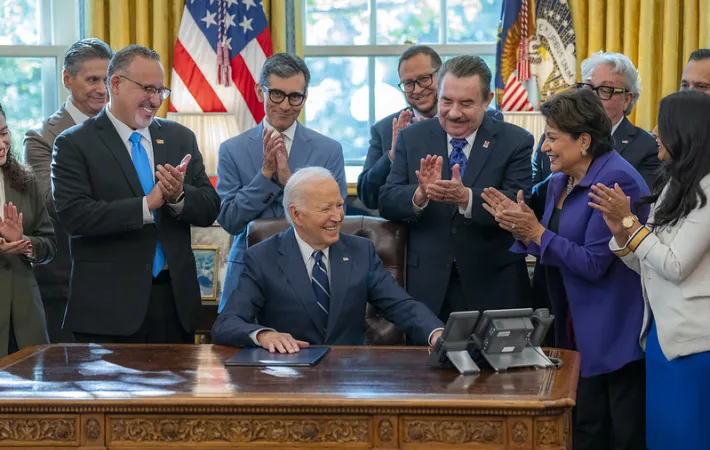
(127, 187)
(457, 258)
(311, 283)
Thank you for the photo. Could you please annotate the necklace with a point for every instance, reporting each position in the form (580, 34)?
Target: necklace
(570, 185)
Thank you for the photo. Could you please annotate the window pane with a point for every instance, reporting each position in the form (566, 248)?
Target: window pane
(337, 104)
(19, 22)
(388, 97)
(472, 20)
(21, 92)
(403, 21)
(337, 22)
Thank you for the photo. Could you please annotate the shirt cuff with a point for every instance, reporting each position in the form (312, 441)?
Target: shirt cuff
(253, 334)
(147, 215)
(467, 213)
(418, 209)
(432, 334)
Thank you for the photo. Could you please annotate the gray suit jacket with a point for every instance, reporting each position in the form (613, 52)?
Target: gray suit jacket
(20, 299)
(52, 278)
(246, 195)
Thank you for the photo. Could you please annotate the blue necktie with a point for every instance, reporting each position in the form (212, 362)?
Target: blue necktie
(457, 155)
(321, 287)
(145, 175)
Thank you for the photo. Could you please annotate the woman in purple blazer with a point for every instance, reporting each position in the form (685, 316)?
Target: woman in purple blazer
(597, 301)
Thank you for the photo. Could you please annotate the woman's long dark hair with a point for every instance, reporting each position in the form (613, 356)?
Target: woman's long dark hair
(19, 176)
(684, 130)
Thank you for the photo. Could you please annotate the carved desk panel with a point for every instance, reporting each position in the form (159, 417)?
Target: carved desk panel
(172, 396)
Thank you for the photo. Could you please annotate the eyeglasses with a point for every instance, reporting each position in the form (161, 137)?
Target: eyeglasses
(423, 81)
(150, 91)
(277, 96)
(603, 92)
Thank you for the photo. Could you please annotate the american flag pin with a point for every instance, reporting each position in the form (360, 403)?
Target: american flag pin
(624, 142)
(159, 141)
(345, 258)
(485, 144)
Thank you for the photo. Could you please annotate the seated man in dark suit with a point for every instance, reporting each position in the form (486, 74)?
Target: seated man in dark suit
(419, 80)
(615, 80)
(310, 284)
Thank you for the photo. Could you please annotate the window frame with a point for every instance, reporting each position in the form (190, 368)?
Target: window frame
(372, 50)
(60, 25)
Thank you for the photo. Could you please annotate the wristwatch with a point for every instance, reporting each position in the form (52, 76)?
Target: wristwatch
(629, 221)
(178, 199)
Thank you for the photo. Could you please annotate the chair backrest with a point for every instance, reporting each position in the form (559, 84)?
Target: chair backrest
(390, 240)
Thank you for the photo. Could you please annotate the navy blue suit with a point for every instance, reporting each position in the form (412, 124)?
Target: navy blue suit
(377, 164)
(491, 277)
(634, 144)
(275, 290)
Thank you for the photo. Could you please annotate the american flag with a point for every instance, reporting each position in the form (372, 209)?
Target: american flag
(221, 47)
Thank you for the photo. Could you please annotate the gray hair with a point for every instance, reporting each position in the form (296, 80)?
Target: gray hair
(284, 65)
(620, 64)
(293, 191)
(84, 50)
(468, 66)
(124, 57)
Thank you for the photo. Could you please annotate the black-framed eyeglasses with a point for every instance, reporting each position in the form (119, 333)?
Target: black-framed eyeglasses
(163, 92)
(423, 81)
(278, 96)
(603, 92)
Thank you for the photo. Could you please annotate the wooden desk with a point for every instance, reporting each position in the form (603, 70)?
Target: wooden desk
(165, 396)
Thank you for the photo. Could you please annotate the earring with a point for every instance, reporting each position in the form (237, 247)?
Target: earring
(584, 153)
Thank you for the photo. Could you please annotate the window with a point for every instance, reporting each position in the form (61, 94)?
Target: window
(34, 35)
(352, 48)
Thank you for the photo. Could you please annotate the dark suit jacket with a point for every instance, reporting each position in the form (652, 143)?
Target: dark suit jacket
(52, 278)
(99, 201)
(377, 164)
(500, 158)
(275, 289)
(636, 145)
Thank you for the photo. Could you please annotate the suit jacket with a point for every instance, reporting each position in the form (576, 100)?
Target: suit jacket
(20, 299)
(99, 202)
(674, 263)
(604, 296)
(377, 164)
(246, 195)
(500, 158)
(636, 145)
(275, 289)
(52, 278)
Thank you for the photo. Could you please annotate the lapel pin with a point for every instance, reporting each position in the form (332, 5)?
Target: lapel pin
(485, 144)
(624, 142)
(345, 258)
(159, 141)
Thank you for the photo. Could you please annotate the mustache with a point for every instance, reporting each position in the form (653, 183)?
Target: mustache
(148, 104)
(456, 120)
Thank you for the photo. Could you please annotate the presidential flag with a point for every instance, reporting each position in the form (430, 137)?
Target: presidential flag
(536, 53)
(221, 47)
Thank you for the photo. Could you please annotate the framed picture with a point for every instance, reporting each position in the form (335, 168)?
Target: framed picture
(207, 262)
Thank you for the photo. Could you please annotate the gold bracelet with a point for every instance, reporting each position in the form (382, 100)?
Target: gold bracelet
(638, 238)
(622, 251)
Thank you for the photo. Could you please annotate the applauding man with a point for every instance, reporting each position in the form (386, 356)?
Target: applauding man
(127, 188)
(255, 166)
(457, 257)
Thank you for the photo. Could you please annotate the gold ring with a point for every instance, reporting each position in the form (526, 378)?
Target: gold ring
(609, 199)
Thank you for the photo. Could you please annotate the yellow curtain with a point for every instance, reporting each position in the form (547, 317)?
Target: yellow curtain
(152, 23)
(658, 36)
(276, 15)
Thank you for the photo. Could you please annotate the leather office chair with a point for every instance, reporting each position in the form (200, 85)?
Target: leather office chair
(390, 240)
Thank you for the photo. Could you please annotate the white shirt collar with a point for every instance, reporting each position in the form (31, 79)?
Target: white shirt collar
(290, 132)
(74, 112)
(124, 131)
(470, 138)
(307, 250)
(613, 129)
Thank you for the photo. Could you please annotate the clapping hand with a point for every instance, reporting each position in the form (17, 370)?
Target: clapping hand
(449, 191)
(429, 173)
(515, 217)
(171, 179)
(21, 247)
(404, 120)
(614, 205)
(11, 226)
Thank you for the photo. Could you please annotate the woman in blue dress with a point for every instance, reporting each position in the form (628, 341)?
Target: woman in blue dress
(672, 254)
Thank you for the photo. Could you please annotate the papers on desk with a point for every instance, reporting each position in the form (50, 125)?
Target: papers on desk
(261, 357)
